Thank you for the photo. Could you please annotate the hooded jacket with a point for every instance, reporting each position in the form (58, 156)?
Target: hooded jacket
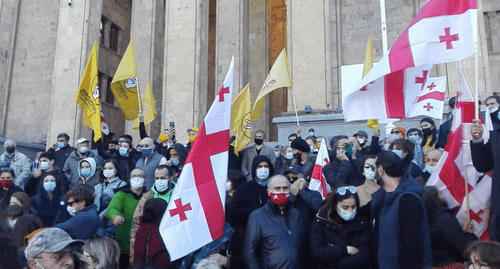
(33, 185)
(273, 238)
(249, 195)
(48, 208)
(181, 150)
(401, 235)
(93, 178)
(71, 167)
(329, 241)
(105, 192)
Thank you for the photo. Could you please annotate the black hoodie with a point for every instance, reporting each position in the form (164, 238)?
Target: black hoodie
(250, 195)
(48, 209)
(181, 150)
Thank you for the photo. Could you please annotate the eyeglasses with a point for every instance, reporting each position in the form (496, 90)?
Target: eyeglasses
(343, 190)
(71, 203)
(367, 165)
(59, 256)
(395, 132)
(474, 265)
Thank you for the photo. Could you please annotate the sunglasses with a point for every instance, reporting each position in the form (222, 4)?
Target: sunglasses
(367, 165)
(343, 190)
(71, 203)
(395, 132)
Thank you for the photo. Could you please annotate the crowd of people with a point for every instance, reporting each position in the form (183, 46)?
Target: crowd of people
(79, 207)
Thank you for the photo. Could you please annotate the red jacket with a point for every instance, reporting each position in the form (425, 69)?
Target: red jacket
(149, 246)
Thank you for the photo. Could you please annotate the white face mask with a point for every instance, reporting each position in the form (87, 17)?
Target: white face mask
(361, 141)
(369, 174)
(161, 185)
(228, 186)
(44, 165)
(262, 173)
(137, 182)
(493, 110)
(71, 210)
(346, 215)
(12, 223)
(109, 173)
(84, 150)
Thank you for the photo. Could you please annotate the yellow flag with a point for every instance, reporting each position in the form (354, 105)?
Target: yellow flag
(124, 84)
(368, 57)
(148, 107)
(278, 77)
(241, 119)
(88, 95)
(371, 123)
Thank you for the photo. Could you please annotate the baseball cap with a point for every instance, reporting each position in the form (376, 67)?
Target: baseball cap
(362, 133)
(49, 240)
(294, 169)
(195, 129)
(82, 140)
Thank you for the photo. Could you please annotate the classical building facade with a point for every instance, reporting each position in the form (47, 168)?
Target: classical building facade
(185, 48)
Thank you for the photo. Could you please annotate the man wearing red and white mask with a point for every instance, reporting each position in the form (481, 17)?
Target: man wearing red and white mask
(273, 237)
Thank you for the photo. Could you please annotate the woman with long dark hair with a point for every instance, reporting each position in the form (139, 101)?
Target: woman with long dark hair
(340, 237)
(429, 130)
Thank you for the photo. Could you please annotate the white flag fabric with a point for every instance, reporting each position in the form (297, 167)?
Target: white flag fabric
(195, 214)
(318, 180)
(430, 102)
(450, 174)
(443, 31)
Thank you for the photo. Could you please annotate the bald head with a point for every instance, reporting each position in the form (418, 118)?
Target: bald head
(278, 184)
(9, 143)
(146, 143)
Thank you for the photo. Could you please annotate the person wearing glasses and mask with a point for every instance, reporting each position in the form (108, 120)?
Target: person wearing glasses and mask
(84, 219)
(274, 233)
(398, 206)
(121, 210)
(149, 161)
(339, 236)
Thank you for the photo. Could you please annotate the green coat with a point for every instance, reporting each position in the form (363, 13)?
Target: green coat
(123, 203)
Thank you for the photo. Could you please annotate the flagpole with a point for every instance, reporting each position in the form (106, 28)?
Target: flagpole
(383, 23)
(295, 106)
(467, 203)
(139, 96)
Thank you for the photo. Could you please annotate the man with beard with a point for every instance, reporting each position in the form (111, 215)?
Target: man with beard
(401, 235)
(258, 149)
(484, 159)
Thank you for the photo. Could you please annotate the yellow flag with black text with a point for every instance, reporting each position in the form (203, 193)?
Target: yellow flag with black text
(88, 95)
(278, 77)
(149, 110)
(241, 119)
(124, 84)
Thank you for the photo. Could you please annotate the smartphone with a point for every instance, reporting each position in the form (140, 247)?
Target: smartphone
(172, 124)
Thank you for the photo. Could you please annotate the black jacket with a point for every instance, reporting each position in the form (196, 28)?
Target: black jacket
(329, 242)
(48, 209)
(125, 163)
(373, 149)
(448, 241)
(61, 155)
(5, 195)
(444, 132)
(181, 150)
(273, 238)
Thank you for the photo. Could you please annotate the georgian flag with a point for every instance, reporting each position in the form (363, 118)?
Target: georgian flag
(318, 180)
(430, 102)
(195, 214)
(450, 174)
(443, 31)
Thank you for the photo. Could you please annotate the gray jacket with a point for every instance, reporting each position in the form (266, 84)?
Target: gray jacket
(21, 167)
(250, 153)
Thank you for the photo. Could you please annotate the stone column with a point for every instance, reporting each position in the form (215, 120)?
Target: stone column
(306, 54)
(77, 32)
(232, 40)
(186, 58)
(147, 30)
(106, 35)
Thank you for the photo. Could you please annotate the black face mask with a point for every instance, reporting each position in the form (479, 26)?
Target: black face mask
(10, 150)
(258, 141)
(113, 151)
(427, 131)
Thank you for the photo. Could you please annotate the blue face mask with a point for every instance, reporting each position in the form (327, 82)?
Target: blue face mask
(60, 145)
(346, 215)
(49, 186)
(123, 151)
(85, 172)
(415, 139)
(175, 162)
(311, 149)
(145, 152)
(289, 155)
(276, 154)
(311, 134)
(398, 152)
(263, 173)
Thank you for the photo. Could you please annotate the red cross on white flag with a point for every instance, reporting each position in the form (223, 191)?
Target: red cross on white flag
(443, 31)
(430, 101)
(195, 214)
(318, 180)
(449, 175)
